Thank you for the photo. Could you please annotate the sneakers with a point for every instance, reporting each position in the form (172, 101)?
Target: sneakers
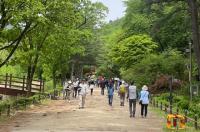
(132, 116)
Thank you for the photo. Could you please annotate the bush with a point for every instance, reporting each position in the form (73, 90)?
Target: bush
(20, 103)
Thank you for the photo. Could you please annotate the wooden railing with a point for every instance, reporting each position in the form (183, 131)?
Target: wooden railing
(8, 82)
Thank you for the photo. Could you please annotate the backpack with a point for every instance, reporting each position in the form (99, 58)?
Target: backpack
(122, 89)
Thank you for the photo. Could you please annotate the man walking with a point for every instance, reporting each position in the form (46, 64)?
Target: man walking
(132, 96)
(82, 94)
(102, 85)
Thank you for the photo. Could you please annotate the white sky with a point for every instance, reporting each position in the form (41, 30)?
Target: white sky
(116, 8)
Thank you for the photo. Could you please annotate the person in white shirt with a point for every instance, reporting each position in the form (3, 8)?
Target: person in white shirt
(65, 85)
(82, 94)
(132, 96)
(68, 90)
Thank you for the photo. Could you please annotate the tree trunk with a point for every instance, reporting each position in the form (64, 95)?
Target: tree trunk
(195, 29)
(54, 81)
(72, 71)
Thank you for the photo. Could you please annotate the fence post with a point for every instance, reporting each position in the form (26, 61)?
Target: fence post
(177, 111)
(186, 113)
(25, 104)
(8, 110)
(10, 83)
(24, 78)
(43, 87)
(195, 123)
(161, 106)
(171, 107)
(157, 104)
(33, 101)
(40, 85)
(165, 108)
(17, 107)
(6, 80)
(39, 98)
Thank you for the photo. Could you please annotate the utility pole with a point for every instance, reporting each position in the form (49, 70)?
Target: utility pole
(170, 96)
(190, 70)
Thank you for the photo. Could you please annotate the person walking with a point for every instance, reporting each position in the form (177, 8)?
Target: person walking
(76, 86)
(82, 94)
(91, 86)
(132, 96)
(122, 92)
(110, 92)
(65, 85)
(144, 101)
(68, 90)
(102, 85)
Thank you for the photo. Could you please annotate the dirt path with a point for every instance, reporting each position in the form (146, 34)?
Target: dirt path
(61, 116)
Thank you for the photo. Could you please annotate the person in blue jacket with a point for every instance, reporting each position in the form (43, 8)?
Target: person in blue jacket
(144, 100)
(110, 92)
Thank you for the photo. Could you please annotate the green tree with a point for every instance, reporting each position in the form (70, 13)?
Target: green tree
(132, 50)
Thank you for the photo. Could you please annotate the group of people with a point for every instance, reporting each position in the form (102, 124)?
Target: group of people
(128, 91)
(123, 89)
(78, 88)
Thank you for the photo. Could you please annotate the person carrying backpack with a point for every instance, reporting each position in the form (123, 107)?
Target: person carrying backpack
(132, 96)
(122, 92)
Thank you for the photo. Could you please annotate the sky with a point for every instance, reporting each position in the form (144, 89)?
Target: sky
(116, 8)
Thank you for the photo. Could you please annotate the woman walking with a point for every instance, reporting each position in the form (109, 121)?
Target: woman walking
(144, 101)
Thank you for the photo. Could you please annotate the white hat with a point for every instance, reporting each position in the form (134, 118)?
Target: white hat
(123, 82)
(70, 81)
(145, 88)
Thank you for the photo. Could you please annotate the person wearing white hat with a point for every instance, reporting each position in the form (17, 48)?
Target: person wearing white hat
(144, 100)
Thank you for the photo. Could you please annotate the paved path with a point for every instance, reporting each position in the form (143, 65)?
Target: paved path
(61, 116)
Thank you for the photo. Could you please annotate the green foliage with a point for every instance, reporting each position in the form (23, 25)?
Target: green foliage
(146, 71)
(132, 50)
(20, 102)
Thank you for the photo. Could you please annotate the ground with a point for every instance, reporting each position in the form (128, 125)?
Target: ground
(62, 116)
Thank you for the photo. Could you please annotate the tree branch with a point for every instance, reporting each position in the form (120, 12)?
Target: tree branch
(17, 44)
(13, 42)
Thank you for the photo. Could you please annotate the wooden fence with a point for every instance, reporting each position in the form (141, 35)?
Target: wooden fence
(174, 110)
(11, 85)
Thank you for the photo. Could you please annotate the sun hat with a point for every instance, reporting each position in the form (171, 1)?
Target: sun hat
(145, 88)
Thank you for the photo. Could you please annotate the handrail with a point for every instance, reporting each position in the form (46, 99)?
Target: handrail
(9, 81)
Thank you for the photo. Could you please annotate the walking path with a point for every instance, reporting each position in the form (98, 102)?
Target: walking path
(62, 116)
